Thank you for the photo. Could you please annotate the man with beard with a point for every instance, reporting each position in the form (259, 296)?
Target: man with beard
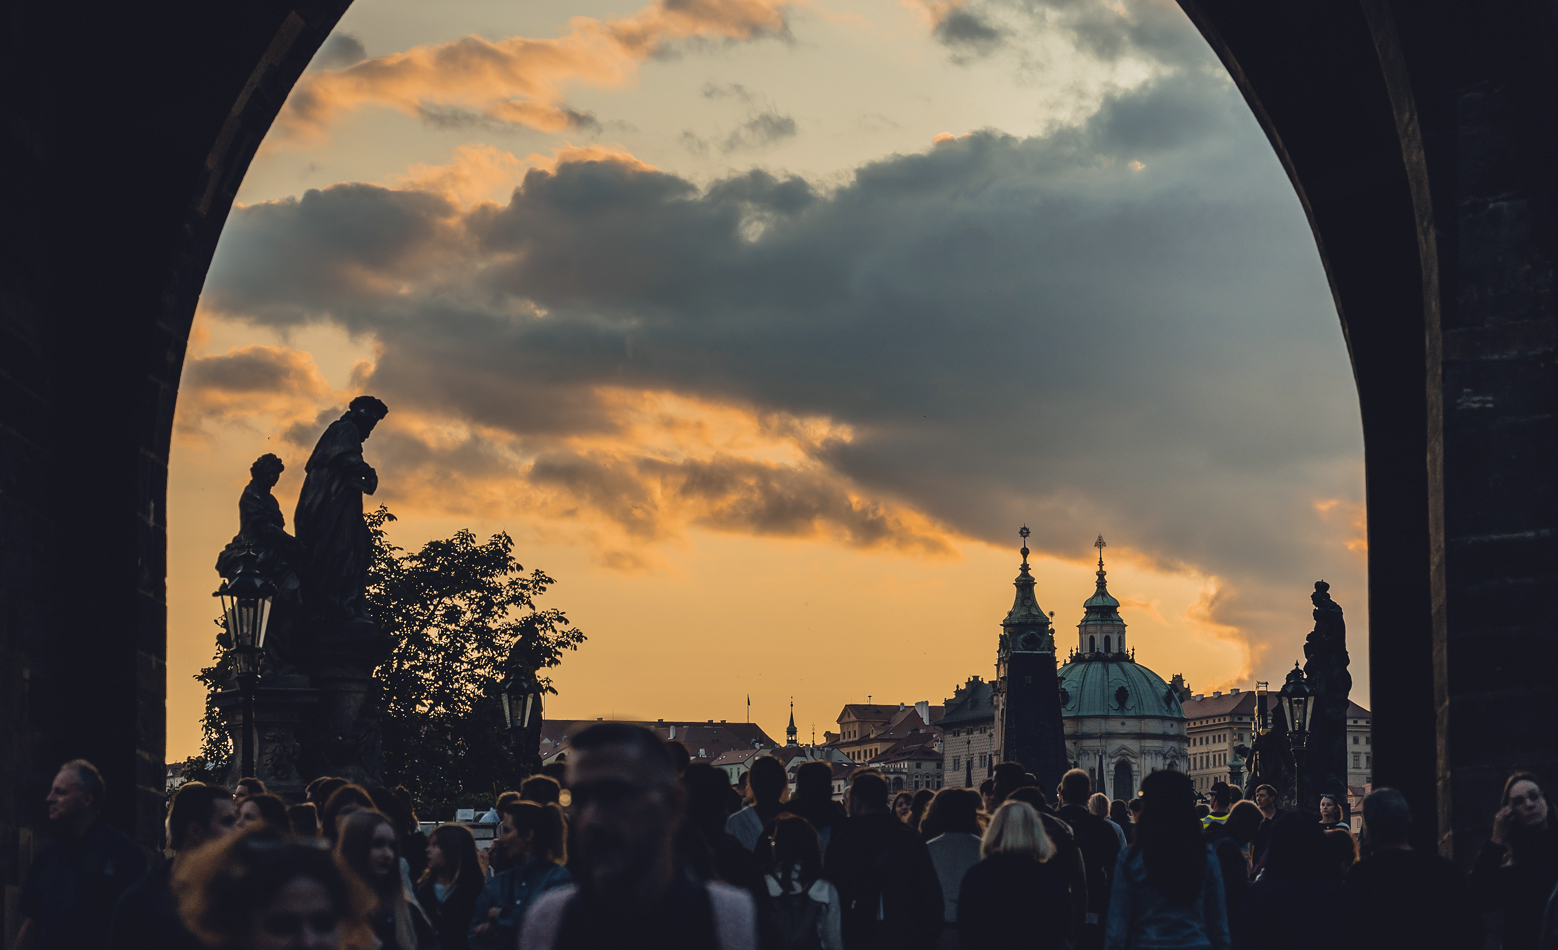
(147, 915)
(629, 888)
(67, 900)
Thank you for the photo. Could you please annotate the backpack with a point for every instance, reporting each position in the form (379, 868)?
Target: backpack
(796, 920)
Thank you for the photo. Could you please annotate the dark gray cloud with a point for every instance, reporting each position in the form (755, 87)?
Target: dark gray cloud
(341, 49)
(1121, 327)
(761, 130)
(969, 32)
(453, 117)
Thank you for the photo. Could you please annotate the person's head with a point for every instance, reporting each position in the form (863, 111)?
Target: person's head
(1243, 822)
(1330, 809)
(987, 795)
(1075, 787)
(503, 799)
(680, 757)
(1009, 776)
(76, 795)
(867, 793)
(1221, 799)
(813, 782)
(1032, 795)
(1297, 847)
(408, 806)
(1015, 828)
(1338, 853)
(708, 796)
(199, 813)
(366, 412)
(767, 781)
(1098, 804)
(796, 852)
(903, 806)
(267, 471)
(1168, 832)
(264, 891)
(393, 807)
(265, 810)
(626, 803)
(1266, 800)
(1119, 812)
(248, 786)
(922, 799)
(451, 856)
(534, 830)
(1134, 806)
(345, 801)
(1527, 806)
(320, 790)
(952, 811)
(304, 818)
(368, 844)
(1387, 819)
(540, 789)
(1203, 809)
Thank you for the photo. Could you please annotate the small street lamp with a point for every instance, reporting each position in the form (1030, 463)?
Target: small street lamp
(522, 697)
(1297, 706)
(246, 603)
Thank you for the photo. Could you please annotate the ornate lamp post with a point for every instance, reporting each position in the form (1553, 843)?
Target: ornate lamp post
(246, 602)
(1236, 770)
(522, 697)
(1296, 706)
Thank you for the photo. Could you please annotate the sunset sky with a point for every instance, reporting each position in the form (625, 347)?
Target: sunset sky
(762, 325)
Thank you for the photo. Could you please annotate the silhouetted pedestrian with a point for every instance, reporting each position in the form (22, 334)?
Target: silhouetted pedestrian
(534, 838)
(813, 799)
(628, 883)
(1013, 897)
(1229, 839)
(1100, 842)
(767, 784)
(953, 821)
(247, 787)
(917, 807)
(1120, 814)
(262, 810)
(883, 871)
(67, 898)
(305, 820)
(1068, 859)
(1298, 903)
(1515, 872)
(1266, 801)
(541, 789)
(1168, 890)
(451, 884)
(803, 908)
(345, 801)
(146, 916)
(1408, 898)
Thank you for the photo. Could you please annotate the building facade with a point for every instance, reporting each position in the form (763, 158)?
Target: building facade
(1028, 726)
(1221, 728)
(968, 734)
(1122, 720)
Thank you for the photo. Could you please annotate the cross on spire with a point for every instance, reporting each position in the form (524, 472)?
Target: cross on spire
(1100, 544)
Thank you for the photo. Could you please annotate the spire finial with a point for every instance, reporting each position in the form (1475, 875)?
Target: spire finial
(1100, 544)
(1024, 532)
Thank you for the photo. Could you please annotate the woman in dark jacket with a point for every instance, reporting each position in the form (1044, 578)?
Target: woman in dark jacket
(451, 884)
(1013, 897)
(1516, 872)
(1168, 888)
(366, 842)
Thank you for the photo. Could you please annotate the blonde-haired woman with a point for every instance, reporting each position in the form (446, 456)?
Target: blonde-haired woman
(1014, 897)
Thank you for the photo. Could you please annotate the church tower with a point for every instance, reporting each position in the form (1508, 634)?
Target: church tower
(790, 731)
(1101, 630)
(1027, 693)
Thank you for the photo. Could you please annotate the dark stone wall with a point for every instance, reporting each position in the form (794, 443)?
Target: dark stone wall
(1031, 730)
(126, 133)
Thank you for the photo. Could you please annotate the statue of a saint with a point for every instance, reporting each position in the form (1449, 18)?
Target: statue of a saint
(335, 539)
(262, 530)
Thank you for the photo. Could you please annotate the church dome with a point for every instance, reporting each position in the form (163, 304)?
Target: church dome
(1114, 685)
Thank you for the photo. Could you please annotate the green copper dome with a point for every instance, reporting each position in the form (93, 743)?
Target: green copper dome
(1097, 685)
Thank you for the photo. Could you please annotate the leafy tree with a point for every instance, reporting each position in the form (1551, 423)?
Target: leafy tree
(455, 612)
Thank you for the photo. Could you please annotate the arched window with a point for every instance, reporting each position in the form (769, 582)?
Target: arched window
(1092, 644)
(1107, 650)
(1124, 781)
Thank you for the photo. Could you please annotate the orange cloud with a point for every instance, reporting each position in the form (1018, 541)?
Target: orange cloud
(262, 387)
(518, 80)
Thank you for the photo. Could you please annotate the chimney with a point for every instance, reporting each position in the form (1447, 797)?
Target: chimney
(923, 708)
(1234, 691)
(673, 730)
(1217, 694)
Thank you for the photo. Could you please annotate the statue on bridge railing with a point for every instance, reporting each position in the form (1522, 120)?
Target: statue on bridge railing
(262, 530)
(336, 544)
(1330, 685)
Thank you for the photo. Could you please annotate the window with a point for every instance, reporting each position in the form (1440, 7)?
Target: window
(957, 763)
(1354, 740)
(1368, 760)
(1357, 762)
(1366, 739)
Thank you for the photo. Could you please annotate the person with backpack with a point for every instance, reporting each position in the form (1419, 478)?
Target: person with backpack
(804, 912)
(890, 895)
(1100, 844)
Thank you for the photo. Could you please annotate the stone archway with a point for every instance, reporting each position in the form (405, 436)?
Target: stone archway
(1419, 138)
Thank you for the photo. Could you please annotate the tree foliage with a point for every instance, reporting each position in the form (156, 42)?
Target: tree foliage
(456, 612)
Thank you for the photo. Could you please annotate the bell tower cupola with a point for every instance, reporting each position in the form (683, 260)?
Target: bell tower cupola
(1101, 631)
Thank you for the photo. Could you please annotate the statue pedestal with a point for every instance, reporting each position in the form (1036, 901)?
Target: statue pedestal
(341, 737)
(281, 705)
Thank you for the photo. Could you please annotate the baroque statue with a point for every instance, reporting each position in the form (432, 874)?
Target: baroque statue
(262, 531)
(336, 543)
(1330, 685)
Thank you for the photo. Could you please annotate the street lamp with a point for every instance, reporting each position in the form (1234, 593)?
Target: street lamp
(246, 602)
(1296, 706)
(1236, 770)
(522, 717)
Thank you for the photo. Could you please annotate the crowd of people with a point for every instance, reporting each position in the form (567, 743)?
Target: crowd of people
(637, 846)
